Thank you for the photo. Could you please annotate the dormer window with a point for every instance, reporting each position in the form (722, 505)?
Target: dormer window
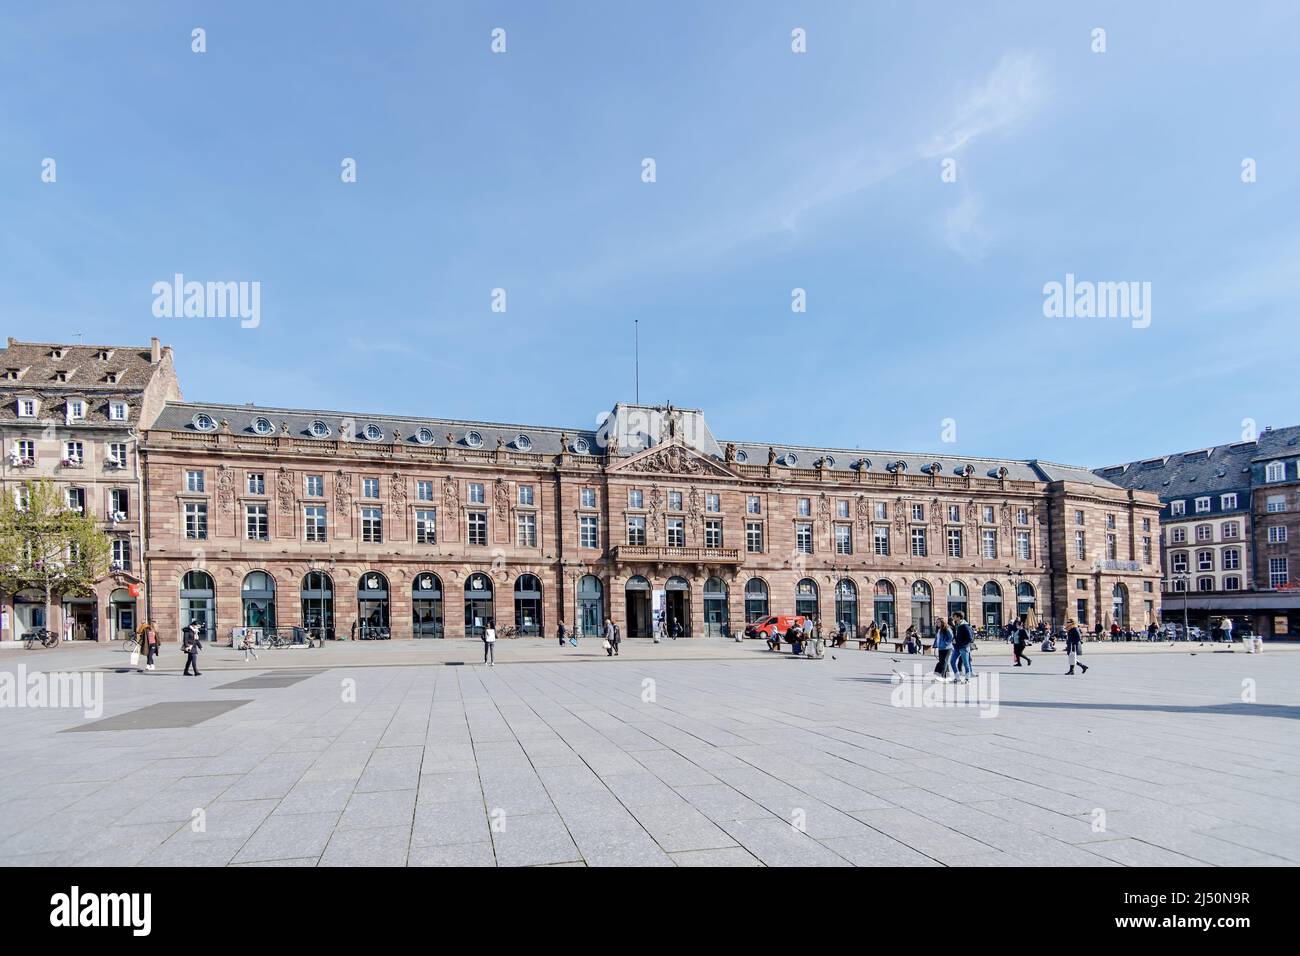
(523, 442)
(56, 353)
(424, 436)
(473, 439)
(76, 409)
(319, 429)
(28, 407)
(60, 376)
(203, 422)
(104, 354)
(263, 426)
(13, 374)
(110, 378)
(117, 411)
(1275, 471)
(373, 433)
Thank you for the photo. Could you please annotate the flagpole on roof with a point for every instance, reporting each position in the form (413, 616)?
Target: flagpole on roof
(636, 333)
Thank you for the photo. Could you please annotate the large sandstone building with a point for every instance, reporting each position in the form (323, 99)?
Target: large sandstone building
(365, 525)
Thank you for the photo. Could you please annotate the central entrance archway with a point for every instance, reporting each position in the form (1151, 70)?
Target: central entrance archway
(715, 607)
(636, 594)
(199, 603)
(258, 595)
(317, 594)
(479, 608)
(993, 607)
(528, 604)
(426, 605)
(590, 621)
(678, 606)
(372, 607)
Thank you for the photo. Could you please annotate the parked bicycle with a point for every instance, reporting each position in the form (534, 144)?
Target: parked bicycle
(43, 637)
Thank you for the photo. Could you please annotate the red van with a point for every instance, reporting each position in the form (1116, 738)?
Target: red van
(780, 623)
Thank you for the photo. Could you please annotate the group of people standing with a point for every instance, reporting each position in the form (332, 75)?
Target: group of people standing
(954, 640)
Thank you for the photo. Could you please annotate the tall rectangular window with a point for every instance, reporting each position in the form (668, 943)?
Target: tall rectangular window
(1080, 545)
(844, 539)
(196, 520)
(881, 510)
(527, 529)
(954, 514)
(315, 486)
(589, 498)
(918, 512)
(1022, 545)
(424, 491)
(918, 542)
(526, 495)
(1112, 547)
(1278, 572)
(587, 532)
(713, 502)
(314, 523)
(988, 514)
(635, 498)
(256, 483)
(119, 503)
(636, 530)
(841, 508)
(754, 505)
(194, 481)
(880, 539)
(117, 453)
(988, 543)
(954, 542)
(805, 507)
(256, 523)
(676, 533)
(476, 496)
(372, 525)
(713, 533)
(754, 537)
(122, 553)
(476, 526)
(674, 501)
(803, 537)
(1146, 549)
(370, 488)
(426, 526)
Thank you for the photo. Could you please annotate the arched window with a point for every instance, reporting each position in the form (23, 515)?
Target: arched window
(258, 594)
(677, 601)
(1120, 606)
(426, 605)
(480, 609)
(590, 619)
(317, 595)
(883, 607)
(805, 598)
(756, 603)
(993, 606)
(957, 599)
(528, 604)
(715, 607)
(199, 603)
(1025, 600)
(922, 608)
(846, 604)
(372, 607)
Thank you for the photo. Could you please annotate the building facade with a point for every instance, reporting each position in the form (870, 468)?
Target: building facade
(1229, 517)
(73, 414)
(358, 525)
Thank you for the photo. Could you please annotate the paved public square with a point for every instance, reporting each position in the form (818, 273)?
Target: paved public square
(691, 753)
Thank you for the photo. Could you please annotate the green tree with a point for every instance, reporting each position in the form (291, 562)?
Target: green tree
(46, 545)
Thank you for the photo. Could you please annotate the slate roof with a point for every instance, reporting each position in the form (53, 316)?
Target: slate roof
(85, 373)
(180, 416)
(1203, 471)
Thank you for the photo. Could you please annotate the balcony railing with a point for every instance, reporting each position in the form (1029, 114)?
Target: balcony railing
(638, 552)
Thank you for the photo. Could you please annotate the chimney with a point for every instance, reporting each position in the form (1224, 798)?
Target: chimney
(155, 351)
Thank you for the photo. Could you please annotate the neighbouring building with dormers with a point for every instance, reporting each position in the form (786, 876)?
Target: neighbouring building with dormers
(1230, 520)
(73, 413)
(354, 524)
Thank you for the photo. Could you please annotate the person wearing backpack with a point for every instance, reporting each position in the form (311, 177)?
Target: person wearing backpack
(963, 638)
(1019, 638)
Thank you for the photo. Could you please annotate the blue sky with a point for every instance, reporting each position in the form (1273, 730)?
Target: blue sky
(775, 171)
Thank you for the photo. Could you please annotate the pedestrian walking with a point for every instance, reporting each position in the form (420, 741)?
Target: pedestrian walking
(942, 650)
(149, 643)
(611, 639)
(191, 646)
(490, 643)
(1226, 627)
(874, 636)
(249, 645)
(1074, 646)
(963, 639)
(562, 632)
(1019, 639)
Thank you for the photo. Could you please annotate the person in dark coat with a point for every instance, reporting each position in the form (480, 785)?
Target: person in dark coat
(611, 637)
(191, 646)
(149, 640)
(562, 632)
(795, 636)
(1019, 638)
(1074, 646)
